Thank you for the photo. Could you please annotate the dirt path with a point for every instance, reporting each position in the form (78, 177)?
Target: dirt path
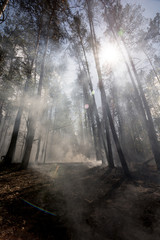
(89, 203)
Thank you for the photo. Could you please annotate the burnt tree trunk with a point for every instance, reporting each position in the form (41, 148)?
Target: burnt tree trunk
(38, 149)
(29, 142)
(100, 135)
(31, 119)
(150, 125)
(105, 106)
(7, 159)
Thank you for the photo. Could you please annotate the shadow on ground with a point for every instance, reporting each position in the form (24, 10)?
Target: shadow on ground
(89, 203)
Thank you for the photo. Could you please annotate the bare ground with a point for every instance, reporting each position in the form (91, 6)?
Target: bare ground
(89, 203)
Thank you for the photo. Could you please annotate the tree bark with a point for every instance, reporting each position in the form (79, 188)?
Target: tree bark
(155, 73)
(38, 150)
(32, 119)
(29, 142)
(92, 122)
(7, 159)
(105, 106)
(150, 125)
(3, 7)
(102, 143)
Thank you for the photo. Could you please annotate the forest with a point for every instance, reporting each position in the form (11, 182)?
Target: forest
(79, 120)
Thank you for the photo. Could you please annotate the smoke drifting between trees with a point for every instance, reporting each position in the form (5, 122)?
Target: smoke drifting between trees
(60, 100)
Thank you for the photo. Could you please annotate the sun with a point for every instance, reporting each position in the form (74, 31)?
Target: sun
(109, 54)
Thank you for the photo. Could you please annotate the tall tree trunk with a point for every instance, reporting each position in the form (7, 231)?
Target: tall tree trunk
(81, 128)
(47, 134)
(151, 129)
(29, 142)
(44, 58)
(102, 143)
(5, 131)
(38, 149)
(92, 122)
(31, 119)
(23, 143)
(41, 83)
(1, 109)
(11, 150)
(144, 111)
(115, 137)
(35, 75)
(3, 124)
(43, 150)
(46, 146)
(7, 159)
(108, 153)
(148, 122)
(98, 142)
(105, 106)
(155, 73)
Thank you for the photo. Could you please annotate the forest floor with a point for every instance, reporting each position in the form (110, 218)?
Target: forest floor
(87, 203)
